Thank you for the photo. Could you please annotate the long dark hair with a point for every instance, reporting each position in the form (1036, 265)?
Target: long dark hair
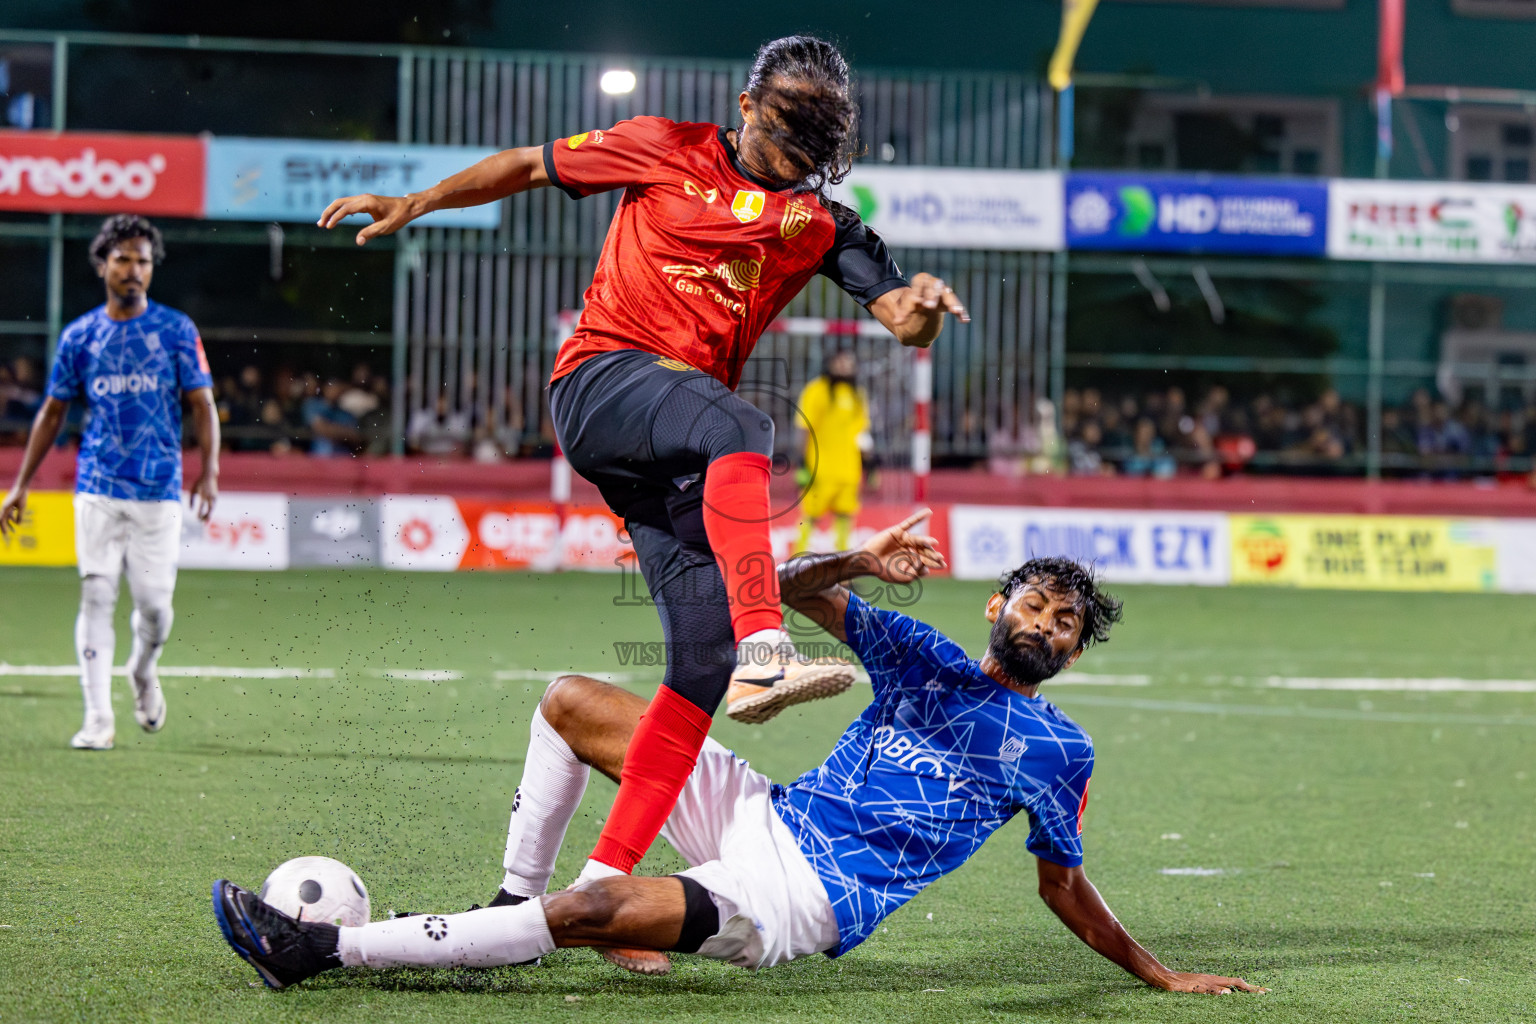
(803, 87)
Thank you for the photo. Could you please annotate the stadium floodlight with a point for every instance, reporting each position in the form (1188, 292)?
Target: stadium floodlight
(617, 82)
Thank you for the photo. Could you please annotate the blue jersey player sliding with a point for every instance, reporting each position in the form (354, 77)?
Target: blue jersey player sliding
(132, 362)
(949, 750)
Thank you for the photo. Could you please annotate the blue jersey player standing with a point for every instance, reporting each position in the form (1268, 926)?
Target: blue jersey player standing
(132, 362)
(949, 750)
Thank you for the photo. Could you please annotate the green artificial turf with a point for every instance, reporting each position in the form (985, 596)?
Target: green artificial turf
(1376, 850)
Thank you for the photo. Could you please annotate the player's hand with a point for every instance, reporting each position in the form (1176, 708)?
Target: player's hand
(201, 498)
(11, 511)
(1209, 984)
(931, 293)
(901, 556)
(389, 213)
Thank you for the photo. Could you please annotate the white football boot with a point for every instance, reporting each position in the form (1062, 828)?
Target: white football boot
(771, 676)
(148, 701)
(94, 735)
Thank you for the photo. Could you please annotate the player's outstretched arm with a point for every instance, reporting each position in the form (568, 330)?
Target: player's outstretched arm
(45, 430)
(1073, 898)
(813, 584)
(915, 314)
(497, 176)
(205, 427)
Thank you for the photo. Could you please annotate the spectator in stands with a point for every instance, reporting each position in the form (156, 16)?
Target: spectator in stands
(1149, 455)
(439, 430)
(359, 399)
(333, 430)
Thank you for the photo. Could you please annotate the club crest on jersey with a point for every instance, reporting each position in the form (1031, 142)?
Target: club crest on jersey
(576, 140)
(748, 206)
(796, 216)
(709, 195)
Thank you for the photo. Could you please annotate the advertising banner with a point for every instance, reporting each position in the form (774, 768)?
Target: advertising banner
(246, 531)
(785, 530)
(294, 179)
(422, 532)
(1454, 222)
(1517, 555)
(1157, 213)
(87, 172)
(46, 535)
(1127, 547)
(953, 208)
(1365, 552)
(333, 531)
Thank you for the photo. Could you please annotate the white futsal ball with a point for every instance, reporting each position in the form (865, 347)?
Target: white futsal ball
(318, 889)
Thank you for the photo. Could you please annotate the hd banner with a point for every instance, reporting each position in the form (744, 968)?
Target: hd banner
(1167, 213)
(1366, 552)
(294, 179)
(955, 208)
(1433, 221)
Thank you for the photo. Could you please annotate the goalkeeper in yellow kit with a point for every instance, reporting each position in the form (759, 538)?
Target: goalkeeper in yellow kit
(834, 413)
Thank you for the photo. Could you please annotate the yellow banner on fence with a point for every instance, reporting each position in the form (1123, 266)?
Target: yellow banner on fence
(1364, 552)
(47, 532)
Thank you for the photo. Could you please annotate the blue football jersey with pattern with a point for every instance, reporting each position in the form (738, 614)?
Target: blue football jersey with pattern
(131, 375)
(936, 764)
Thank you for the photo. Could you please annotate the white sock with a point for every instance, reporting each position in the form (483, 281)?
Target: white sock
(491, 937)
(542, 808)
(94, 643)
(592, 870)
(765, 646)
(151, 628)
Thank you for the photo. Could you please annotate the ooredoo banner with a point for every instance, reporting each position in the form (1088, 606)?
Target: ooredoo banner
(957, 208)
(1169, 213)
(1127, 547)
(1459, 222)
(246, 531)
(83, 172)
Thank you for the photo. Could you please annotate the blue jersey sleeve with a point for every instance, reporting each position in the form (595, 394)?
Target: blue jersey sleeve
(191, 363)
(898, 651)
(64, 381)
(1056, 817)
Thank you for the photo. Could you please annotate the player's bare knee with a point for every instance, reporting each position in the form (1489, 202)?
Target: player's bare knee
(588, 910)
(563, 698)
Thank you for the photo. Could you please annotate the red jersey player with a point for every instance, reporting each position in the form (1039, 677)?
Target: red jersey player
(716, 232)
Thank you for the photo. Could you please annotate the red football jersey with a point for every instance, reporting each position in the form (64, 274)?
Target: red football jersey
(702, 255)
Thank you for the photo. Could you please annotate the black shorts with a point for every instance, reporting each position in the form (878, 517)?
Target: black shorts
(606, 417)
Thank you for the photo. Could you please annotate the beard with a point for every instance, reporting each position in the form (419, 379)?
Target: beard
(1027, 663)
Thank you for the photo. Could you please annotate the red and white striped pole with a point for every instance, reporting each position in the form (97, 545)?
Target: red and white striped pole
(922, 429)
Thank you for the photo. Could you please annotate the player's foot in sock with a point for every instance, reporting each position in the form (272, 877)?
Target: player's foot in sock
(148, 701)
(511, 899)
(283, 951)
(94, 735)
(771, 676)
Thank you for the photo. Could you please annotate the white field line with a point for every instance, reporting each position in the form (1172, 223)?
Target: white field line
(1287, 711)
(416, 675)
(1198, 872)
(181, 671)
(1089, 679)
(1404, 685)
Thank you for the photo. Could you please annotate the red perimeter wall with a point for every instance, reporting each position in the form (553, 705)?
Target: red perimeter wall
(528, 480)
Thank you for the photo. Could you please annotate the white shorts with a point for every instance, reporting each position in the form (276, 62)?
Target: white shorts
(773, 907)
(142, 536)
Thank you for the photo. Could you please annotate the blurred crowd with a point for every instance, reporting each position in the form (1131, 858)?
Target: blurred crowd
(1163, 434)
(287, 411)
(1152, 434)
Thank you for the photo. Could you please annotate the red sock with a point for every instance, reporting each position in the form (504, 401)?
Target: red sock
(736, 522)
(661, 754)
